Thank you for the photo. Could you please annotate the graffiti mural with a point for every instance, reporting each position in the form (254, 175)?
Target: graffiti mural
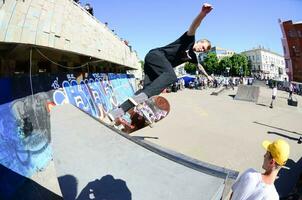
(25, 115)
(25, 134)
(96, 95)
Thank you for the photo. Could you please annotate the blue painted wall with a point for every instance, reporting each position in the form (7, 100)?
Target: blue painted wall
(24, 114)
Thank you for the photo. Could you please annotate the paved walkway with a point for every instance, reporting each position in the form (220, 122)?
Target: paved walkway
(226, 132)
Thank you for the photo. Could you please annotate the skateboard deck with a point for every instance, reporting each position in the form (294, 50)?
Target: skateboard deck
(145, 114)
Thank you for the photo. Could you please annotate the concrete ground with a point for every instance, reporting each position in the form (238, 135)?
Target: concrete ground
(218, 130)
(226, 132)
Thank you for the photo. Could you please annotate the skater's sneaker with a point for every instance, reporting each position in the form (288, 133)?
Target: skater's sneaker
(143, 110)
(146, 112)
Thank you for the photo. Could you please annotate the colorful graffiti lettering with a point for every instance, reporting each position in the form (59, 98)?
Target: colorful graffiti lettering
(96, 95)
(25, 120)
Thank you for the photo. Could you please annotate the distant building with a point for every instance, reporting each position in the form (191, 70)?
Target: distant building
(221, 53)
(292, 47)
(266, 64)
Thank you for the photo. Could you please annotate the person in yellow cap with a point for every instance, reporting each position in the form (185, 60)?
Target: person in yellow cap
(253, 185)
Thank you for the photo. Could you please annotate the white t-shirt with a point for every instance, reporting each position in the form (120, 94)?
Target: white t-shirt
(274, 93)
(251, 187)
(291, 87)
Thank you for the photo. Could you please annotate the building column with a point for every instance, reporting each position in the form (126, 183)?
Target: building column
(34, 67)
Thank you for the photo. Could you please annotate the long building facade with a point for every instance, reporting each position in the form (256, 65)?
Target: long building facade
(266, 64)
(292, 48)
(52, 32)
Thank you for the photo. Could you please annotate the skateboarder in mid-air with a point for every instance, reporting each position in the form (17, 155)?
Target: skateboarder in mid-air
(159, 64)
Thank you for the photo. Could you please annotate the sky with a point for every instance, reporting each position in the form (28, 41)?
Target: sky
(236, 25)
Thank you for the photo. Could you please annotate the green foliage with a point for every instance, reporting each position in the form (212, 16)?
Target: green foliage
(210, 63)
(239, 65)
(142, 64)
(224, 63)
(190, 68)
(249, 66)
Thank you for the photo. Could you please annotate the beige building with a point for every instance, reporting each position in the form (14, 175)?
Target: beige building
(266, 64)
(221, 52)
(64, 32)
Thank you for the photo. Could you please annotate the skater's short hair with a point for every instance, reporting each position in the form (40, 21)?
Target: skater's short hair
(205, 41)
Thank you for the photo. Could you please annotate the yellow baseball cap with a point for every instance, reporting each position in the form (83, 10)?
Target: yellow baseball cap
(279, 150)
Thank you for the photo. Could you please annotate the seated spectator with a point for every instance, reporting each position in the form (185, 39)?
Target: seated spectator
(253, 185)
(88, 8)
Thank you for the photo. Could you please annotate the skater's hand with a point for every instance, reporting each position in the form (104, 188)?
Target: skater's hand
(206, 8)
(210, 78)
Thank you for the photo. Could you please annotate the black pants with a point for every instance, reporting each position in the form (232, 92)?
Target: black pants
(159, 74)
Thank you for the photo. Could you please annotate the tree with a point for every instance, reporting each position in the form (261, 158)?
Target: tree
(224, 63)
(239, 65)
(190, 68)
(210, 63)
(245, 65)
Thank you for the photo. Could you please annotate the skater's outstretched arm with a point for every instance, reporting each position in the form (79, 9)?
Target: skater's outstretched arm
(206, 8)
(203, 71)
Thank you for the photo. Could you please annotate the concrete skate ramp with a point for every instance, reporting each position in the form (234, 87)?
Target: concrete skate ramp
(218, 91)
(247, 93)
(94, 161)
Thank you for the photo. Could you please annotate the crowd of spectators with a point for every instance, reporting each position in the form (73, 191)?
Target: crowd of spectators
(296, 88)
(201, 82)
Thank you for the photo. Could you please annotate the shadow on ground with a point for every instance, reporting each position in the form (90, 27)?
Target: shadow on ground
(298, 139)
(261, 104)
(13, 186)
(107, 188)
(270, 126)
(232, 95)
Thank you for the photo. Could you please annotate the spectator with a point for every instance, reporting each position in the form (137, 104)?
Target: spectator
(274, 94)
(290, 90)
(88, 8)
(140, 85)
(234, 81)
(231, 82)
(253, 185)
(183, 83)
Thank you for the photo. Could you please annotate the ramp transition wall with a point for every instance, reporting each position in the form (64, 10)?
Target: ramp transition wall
(24, 112)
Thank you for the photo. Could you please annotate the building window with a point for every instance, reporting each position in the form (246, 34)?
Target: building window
(292, 33)
(253, 57)
(299, 33)
(296, 49)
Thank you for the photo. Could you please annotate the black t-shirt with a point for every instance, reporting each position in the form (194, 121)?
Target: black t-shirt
(177, 52)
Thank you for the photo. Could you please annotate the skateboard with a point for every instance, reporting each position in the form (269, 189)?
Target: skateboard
(144, 114)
